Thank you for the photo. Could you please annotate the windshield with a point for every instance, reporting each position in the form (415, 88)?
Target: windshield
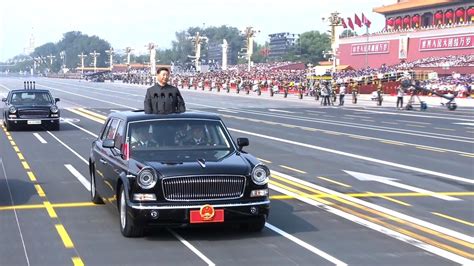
(178, 140)
(31, 98)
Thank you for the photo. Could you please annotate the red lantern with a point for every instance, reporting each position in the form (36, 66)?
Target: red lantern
(459, 13)
(398, 21)
(449, 15)
(390, 21)
(438, 15)
(416, 19)
(470, 11)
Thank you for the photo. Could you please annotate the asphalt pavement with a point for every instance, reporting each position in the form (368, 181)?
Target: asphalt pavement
(358, 184)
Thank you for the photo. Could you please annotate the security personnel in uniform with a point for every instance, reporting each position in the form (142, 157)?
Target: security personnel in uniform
(163, 98)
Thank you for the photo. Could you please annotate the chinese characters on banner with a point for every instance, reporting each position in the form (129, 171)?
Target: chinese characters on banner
(447, 42)
(403, 47)
(370, 48)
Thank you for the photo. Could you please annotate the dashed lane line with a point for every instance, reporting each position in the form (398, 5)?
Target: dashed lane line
(41, 139)
(292, 169)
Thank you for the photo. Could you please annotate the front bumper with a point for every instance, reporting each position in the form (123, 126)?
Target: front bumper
(33, 121)
(179, 215)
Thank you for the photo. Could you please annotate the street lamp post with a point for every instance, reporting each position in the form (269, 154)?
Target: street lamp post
(95, 55)
(334, 21)
(197, 40)
(249, 33)
(110, 53)
(152, 49)
(82, 56)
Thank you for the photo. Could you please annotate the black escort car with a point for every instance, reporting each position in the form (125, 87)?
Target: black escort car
(176, 170)
(30, 107)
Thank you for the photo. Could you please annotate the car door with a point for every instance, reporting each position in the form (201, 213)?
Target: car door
(117, 164)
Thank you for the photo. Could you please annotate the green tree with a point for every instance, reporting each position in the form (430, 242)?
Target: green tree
(348, 33)
(312, 45)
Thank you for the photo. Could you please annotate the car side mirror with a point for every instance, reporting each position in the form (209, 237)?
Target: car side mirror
(108, 143)
(4, 99)
(242, 142)
(56, 99)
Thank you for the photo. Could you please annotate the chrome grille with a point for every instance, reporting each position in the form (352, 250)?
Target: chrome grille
(196, 188)
(33, 113)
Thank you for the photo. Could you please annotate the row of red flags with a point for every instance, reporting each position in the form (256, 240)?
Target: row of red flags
(357, 21)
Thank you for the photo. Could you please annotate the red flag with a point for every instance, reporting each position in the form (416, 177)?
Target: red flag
(349, 22)
(366, 21)
(357, 20)
(344, 25)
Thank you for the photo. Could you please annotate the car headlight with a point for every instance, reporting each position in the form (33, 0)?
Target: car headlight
(147, 178)
(260, 174)
(54, 109)
(12, 109)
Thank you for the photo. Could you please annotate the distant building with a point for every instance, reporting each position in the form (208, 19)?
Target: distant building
(214, 54)
(281, 44)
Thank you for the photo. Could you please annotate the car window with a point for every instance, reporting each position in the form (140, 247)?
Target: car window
(178, 135)
(119, 135)
(31, 98)
(112, 129)
(106, 129)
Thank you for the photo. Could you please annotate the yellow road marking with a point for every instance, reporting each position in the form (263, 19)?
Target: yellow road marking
(64, 236)
(392, 142)
(332, 181)
(332, 133)
(411, 194)
(22, 207)
(382, 214)
(453, 219)
(467, 155)
(390, 199)
(281, 197)
(292, 169)
(93, 118)
(265, 161)
(429, 149)
(50, 209)
(16, 149)
(20, 155)
(40, 191)
(300, 193)
(92, 113)
(448, 129)
(12, 143)
(9, 138)
(76, 261)
(42, 206)
(7, 133)
(25, 165)
(31, 176)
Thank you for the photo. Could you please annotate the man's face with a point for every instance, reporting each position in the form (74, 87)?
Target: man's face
(163, 77)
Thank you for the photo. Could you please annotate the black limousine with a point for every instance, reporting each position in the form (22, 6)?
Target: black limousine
(30, 107)
(176, 170)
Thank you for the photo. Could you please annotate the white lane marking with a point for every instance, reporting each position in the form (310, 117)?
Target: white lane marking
(39, 138)
(410, 132)
(414, 122)
(376, 227)
(192, 248)
(114, 111)
(405, 217)
(69, 148)
(227, 111)
(315, 112)
(391, 182)
(91, 98)
(365, 158)
(464, 124)
(79, 176)
(414, 115)
(306, 245)
(15, 212)
(3, 86)
(280, 111)
(82, 129)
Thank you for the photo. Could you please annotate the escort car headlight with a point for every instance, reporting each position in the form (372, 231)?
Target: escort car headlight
(54, 109)
(147, 178)
(260, 174)
(12, 109)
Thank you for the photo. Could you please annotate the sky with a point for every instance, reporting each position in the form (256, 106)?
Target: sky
(136, 23)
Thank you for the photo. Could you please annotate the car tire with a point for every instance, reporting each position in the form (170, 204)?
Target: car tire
(55, 126)
(95, 197)
(256, 225)
(127, 226)
(8, 125)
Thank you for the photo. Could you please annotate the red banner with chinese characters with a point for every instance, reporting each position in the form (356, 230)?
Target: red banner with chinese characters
(447, 42)
(370, 48)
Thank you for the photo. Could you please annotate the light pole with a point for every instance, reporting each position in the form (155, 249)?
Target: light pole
(128, 50)
(197, 40)
(152, 49)
(224, 54)
(82, 56)
(62, 54)
(94, 55)
(51, 57)
(110, 53)
(249, 33)
(334, 21)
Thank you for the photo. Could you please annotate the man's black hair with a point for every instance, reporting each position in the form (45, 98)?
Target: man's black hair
(161, 69)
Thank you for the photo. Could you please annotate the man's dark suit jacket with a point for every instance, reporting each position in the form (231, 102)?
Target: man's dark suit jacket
(163, 100)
